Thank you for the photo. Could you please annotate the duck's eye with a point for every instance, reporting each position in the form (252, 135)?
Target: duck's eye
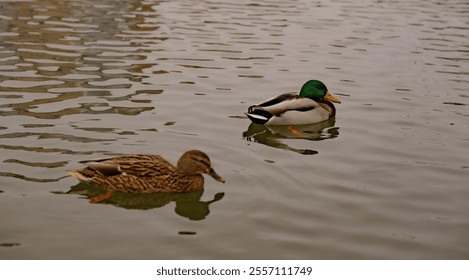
(202, 161)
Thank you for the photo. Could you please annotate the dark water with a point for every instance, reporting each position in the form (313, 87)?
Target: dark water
(386, 179)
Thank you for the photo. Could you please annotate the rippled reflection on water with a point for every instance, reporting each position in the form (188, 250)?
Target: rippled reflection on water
(387, 178)
(273, 135)
(188, 205)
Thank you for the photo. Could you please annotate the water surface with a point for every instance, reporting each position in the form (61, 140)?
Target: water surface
(386, 179)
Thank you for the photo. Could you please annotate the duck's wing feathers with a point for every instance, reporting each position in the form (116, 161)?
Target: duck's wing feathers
(285, 102)
(137, 165)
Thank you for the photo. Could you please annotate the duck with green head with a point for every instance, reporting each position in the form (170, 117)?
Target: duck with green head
(312, 105)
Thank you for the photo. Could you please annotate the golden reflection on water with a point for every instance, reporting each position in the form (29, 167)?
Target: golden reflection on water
(73, 51)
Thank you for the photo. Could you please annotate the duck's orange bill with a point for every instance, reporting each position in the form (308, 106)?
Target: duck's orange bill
(331, 98)
(216, 176)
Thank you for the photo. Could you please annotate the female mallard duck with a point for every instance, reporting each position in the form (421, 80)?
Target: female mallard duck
(312, 105)
(143, 173)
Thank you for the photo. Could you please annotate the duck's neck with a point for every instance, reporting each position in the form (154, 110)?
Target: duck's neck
(193, 182)
(328, 106)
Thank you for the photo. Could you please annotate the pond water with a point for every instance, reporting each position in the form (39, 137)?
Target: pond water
(386, 179)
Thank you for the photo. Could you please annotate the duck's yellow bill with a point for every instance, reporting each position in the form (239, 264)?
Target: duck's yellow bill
(331, 98)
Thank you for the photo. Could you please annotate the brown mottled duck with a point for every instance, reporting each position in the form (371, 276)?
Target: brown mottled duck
(145, 173)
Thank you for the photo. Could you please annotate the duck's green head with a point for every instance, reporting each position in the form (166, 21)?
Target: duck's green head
(317, 91)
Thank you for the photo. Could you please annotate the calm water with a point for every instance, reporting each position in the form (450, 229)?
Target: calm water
(386, 179)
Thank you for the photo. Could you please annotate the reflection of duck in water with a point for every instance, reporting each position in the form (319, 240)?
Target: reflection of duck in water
(143, 173)
(272, 135)
(312, 105)
(188, 205)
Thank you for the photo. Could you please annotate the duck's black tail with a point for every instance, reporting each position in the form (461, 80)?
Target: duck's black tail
(258, 116)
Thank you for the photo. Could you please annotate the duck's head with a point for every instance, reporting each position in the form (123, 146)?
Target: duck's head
(317, 91)
(197, 162)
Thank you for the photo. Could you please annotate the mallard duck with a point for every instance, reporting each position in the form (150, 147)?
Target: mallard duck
(145, 173)
(312, 105)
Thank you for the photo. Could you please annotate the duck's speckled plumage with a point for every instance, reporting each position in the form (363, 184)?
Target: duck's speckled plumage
(145, 173)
